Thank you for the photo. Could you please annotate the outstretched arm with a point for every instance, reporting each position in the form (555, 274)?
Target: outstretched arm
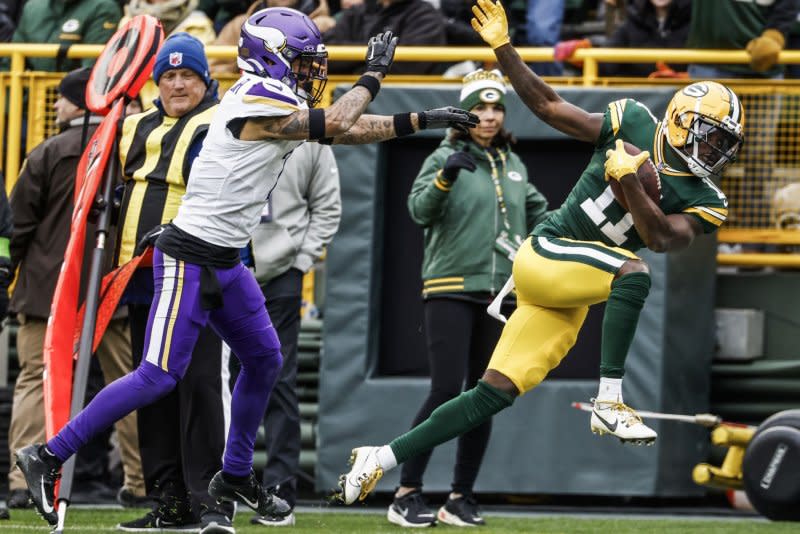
(375, 128)
(343, 114)
(372, 129)
(491, 23)
(339, 118)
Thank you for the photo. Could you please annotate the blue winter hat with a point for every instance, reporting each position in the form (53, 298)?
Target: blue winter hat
(182, 51)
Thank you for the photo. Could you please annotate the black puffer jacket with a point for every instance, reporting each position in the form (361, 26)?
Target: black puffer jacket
(642, 30)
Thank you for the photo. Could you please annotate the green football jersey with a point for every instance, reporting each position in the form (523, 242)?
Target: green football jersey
(591, 213)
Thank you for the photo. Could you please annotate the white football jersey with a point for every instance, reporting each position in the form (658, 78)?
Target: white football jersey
(230, 180)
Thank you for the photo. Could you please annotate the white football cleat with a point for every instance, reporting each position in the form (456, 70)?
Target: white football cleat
(618, 419)
(363, 477)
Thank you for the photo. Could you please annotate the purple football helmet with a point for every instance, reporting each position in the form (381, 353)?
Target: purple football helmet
(283, 44)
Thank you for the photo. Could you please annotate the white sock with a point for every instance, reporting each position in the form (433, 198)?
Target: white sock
(610, 389)
(386, 458)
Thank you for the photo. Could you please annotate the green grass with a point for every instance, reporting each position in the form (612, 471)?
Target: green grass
(90, 521)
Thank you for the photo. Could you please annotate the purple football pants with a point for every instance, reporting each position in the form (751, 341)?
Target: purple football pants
(176, 318)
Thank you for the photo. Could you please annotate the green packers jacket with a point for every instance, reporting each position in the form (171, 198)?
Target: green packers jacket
(731, 24)
(472, 229)
(66, 22)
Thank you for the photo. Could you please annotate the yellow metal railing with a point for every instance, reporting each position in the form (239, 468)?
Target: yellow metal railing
(769, 162)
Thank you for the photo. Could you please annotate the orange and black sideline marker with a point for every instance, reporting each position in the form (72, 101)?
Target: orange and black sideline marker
(120, 72)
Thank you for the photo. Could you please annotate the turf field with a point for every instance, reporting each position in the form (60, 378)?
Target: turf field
(89, 521)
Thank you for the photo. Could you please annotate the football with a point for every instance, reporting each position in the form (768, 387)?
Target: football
(647, 174)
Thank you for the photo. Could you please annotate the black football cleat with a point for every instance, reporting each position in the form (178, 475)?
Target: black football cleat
(41, 475)
(251, 493)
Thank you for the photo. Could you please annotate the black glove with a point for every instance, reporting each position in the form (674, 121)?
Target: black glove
(5, 280)
(455, 162)
(447, 117)
(380, 52)
(149, 239)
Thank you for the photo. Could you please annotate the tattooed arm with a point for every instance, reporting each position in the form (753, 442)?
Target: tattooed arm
(372, 129)
(339, 118)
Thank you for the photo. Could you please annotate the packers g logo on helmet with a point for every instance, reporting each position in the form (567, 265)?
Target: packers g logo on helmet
(704, 124)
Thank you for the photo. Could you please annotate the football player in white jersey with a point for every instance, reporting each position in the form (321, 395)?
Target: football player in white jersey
(198, 275)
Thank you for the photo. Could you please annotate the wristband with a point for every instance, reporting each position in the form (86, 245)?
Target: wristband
(422, 120)
(316, 124)
(370, 83)
(402, 124)
(442, 183)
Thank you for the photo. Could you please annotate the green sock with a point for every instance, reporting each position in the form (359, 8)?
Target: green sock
(624, 304)
(451, 419)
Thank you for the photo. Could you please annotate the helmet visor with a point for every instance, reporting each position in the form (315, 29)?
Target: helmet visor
(311, 73)
(714, 145)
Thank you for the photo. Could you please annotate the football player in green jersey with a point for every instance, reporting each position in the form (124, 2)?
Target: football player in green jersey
(590, 238)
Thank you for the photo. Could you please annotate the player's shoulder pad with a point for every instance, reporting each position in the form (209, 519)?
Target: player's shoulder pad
(628, 112)
(709, 204)
(272, 92)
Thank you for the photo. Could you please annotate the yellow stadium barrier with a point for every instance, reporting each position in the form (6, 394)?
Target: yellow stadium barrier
(759, 187)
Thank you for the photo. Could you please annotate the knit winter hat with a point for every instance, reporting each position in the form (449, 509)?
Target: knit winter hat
(182, 51)
(483, 86)
(73, 86)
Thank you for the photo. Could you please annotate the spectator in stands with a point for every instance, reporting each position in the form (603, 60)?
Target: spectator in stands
(761, 28)
(543, 28)
(179, 453)
(300, 219)
(649, 24)
(344, 5)
(65, 22)
(414, 22)
(41, 205)
(176, 16)
(223, 11)
(229, 35)
(9, 16)
(469, 185)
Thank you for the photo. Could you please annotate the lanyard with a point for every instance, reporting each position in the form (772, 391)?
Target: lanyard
(498, 188)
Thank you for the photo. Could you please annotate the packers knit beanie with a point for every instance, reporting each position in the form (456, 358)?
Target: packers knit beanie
(182, 51)
(482, 86)
(73, 86)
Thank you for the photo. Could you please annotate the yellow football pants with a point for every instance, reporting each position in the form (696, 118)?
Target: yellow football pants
(556, 281)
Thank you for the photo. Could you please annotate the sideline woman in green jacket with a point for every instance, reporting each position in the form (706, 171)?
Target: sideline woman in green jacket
(474, 201)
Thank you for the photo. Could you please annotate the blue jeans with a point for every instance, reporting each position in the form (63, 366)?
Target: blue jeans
(544, 29)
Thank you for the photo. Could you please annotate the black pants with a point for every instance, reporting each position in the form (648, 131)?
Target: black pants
(182, 435)
(460, 337)
(282, 418)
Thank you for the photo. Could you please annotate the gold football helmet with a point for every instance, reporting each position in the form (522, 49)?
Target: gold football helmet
(785, 213)
(704, 124)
